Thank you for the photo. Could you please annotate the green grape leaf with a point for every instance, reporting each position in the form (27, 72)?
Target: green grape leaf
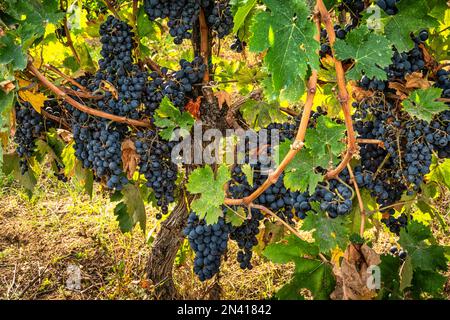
(310, 272)
(145, 27)
(242, 13)
(248, 171)
(131, 210)
(389, 276)
(85, 177)
(328, 233)
(423, 255)
(428, 281)
(412, 16)
(288, 34)
(168, 118)
(259, 114)
(423, 105)
(11, 165)
(440, 172)
(371, 53)
(291, 249)
(406, 274)
(326, 139)
(318, 279)
(211, 190)
(126, 223)
(237, 217)
(12, 53)
(299, 174)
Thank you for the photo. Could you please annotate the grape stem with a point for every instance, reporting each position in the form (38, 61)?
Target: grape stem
(56, 119)
(112, 9)
(65, 76)
(290, 228)
(69, 41)
(370, 141)
(82, 107)
(352, 147)
(391, 206)
(360, 201)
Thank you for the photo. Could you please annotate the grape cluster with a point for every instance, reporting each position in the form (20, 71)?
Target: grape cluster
(388, 6)
(219, 16)
(209, 243)
(402, 254)
(335, 198)
(181, 13)
(29, 128)
(157, 167)
(238, 45)
(177, 86)
(439, 137)
(98, 145)
(354, 7)
(245, 237)
(341, 33)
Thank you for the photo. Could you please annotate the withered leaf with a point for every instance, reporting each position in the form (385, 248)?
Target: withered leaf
(130, 158)
(193, 107)
(353, 276)
(223, 97)
(7, 86)
(400, 89)
(415, 80)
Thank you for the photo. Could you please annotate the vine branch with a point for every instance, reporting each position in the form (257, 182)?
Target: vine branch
(57, 91)
(69, 41)
(352, 147)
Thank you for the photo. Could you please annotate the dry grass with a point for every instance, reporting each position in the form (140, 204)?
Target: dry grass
(41, 238)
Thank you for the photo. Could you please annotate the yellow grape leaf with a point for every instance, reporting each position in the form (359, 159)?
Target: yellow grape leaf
(34, 97)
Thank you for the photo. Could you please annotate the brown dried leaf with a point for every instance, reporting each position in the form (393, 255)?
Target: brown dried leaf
(400, 89)
(429, 60)
(193, 107)
(7, 86)
(223, 97)
(415, 80)
(130, 158)
(352, 274)
(359, 93)
(65, 135)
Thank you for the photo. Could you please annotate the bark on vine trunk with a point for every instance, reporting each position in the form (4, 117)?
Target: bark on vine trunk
(164, 250)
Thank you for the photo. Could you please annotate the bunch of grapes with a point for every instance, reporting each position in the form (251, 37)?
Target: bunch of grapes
(157, 167)
(219, 16)
(238, 45)
(181, 13)
(439, 137)
(29, 127)
(177, 86)
(354, 7)
(388, 6)
(98, 145)
(209, 243)
(245, 237)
